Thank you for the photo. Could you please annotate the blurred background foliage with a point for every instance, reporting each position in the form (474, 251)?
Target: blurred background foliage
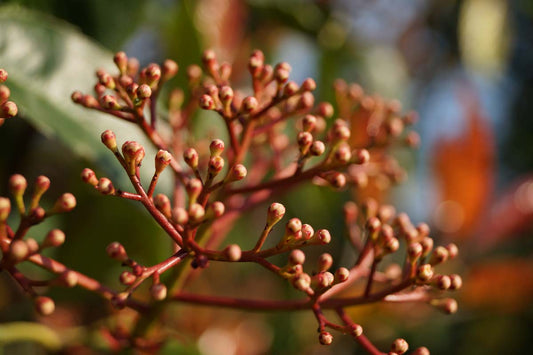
(464, 65)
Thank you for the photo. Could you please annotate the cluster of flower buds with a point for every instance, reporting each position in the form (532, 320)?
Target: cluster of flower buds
(17, 247)
(8, 108)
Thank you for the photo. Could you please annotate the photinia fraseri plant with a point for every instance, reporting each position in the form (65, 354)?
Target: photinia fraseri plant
(278, 139)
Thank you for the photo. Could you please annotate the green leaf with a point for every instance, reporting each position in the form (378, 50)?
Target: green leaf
(47, 59)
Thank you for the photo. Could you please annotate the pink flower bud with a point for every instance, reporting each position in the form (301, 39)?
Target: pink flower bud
(304, 139)
(340, 131)
(399, 346)
(440, 254)
(194, 73)
(215, 165)
(323, 236)
(116, 251)
(143, 92)
(190, 156)
(33, 246)
(121, 61)
(170, 69)
(194, 188)
(3, 75)
(442, 282)
(110, 102)
(453, 250)
(162, 203)
(306, 102)
(325, 109)
(105, 186)
(325, 338)
(296, 257)
(119, 301)
(196, 213)
(233, 252)
(281, 72)
(421, 351)
(207, 102)
(69, 278)
(88, 176)
(276, 211)
(44, 305)
(153, 74)
(106, 80)
(8, 109)
(109, 139)
(424, 273)
(127, 278)
(4, 93)
(290, 89)
(343, 154)
(446, 305)
(412, 140)
(158, 292)
(302, 282)
(54, 238)
(237, 172)
(256, 62)
(180, 216)
(324, 262)
(293, 227)
(341, 275)
(414, 251)
(308, 123)
(307, 232)
(65, 203)
(456, 282)
(225, 71)
(216, 209)
(427, 245)
(18, 250)
(162, 160)
(89, 101)
(226, 95)
(17, 184)
(133, 154)
(308, 85)
(249, 104)
(317, 148)
(216, 147)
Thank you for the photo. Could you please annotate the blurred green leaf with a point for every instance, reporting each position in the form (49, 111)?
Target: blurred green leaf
(47, 60)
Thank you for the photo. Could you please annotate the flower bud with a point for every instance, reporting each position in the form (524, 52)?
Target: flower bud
(276, 211)
(153, 74)
(110, 140)
(215, 165)
(249, 104)
(65, 203)
(341, 275)
(133, 155)
(414, 252)
(180, 216)
(143, 92)
(110, 102)
(119, 301)
(162, 203)
(304, 139)
(281, 72)
(127, 278)
(343, 154)
(105, 79)
(302, 282)
(439, 255)
(424, 273)
(226, 95)
(307, 232)
(324, 262)
(216, 147)
(446, 305)
(296, 257)
(194, 188)
(158, 292)
(237, 172)
(44, 305)
(196, 213)
(322, 236)
(412, 139)
(190, 156)
(4, 93)
(68, 278)
(207, 102)
(194, 73)
(325, 338)
(360, 156)
(453, 250)
(391, 244)
(105, 186)
(162, 160)
(216, 209)
(3, 75)
(89, 101)
(308, 123)
(33, 246)
(421, 351)
(169, 70)
(121, 61)
(290, 89)
(293, 226)
(427, 245)
(340, 131)
(456, 282)
(308, 85)
(9, 109)
(399, 346)
(54, 238)
(317, 148)
(442, 282)
(18, 250)
(88, 176)
(116, 251)
(17, 184)
(255, 63)
(233, 252)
